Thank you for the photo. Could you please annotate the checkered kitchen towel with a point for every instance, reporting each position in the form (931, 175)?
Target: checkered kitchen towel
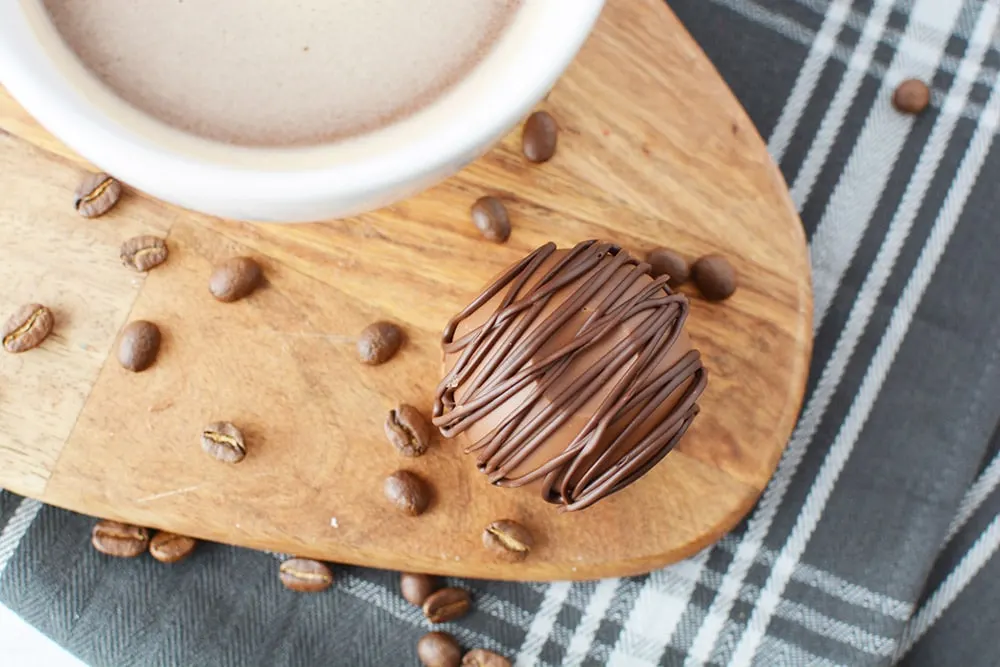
(875, 541)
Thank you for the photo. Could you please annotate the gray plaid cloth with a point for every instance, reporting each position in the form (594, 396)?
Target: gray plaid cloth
(874, 542)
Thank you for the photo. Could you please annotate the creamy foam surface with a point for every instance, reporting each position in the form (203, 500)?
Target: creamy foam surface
(280, 72)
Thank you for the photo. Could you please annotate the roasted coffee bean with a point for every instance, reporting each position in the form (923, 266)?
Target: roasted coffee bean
(305, 576)
(235, 278)
(664, 262)
(912, 96)
(417, 587)
(408, 430)
(439, 649)
(715, 277)
(489, 215)
(171, 547)
(119, 539)
(407, 492)
(138, 345)
(379, 342)
(143, 253)
(96, 195)
(224, 442)
(480, 657)
(447, 604)
(27, 327)
(539, 137)
(508, 540)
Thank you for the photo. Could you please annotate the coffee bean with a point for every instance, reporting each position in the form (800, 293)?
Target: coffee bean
(96, 195)
(417, 587)
(27, 327)
(122, 540)
(171, 547)
(235, 278)
(664, 262)
(508, 540)
(912, 96)
(439, 649)
(539, 137)
(489, 215)
(480, 657)
(138, 345)
(224, 442)
(408, 431)
(447, 604)
(406, 492)
(715, 277)
(305, 576)
(379, 342)
(143, 253)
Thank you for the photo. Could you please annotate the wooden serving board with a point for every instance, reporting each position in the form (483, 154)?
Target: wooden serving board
(654, 150)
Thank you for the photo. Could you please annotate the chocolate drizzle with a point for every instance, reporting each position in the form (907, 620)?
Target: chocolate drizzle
(599, 291)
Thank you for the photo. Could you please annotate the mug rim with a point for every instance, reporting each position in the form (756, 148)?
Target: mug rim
(43, 74)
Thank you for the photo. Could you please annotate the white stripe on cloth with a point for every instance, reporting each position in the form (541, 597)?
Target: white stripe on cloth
(779, 653)
(829, 583)
(822, 580)
(876, 373)
(582, 642)
(882, 138)
(788, 122)
(15, 529)
(836, 113)
(883, 122)
(805, 83)
(658, 609)
(974, 497)
(974, 559)
(823, 625)
(583, 636)
(795, 31)
(393, 603)
(542, 624)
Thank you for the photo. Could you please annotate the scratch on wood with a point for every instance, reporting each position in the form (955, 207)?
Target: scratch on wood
(162, 405)
(167, 494)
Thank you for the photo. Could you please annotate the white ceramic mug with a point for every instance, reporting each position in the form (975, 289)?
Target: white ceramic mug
(291, 184)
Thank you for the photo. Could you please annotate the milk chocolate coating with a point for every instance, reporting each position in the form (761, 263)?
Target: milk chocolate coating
(573, 371)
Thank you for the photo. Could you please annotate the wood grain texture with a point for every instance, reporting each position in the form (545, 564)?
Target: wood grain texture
(654, 151)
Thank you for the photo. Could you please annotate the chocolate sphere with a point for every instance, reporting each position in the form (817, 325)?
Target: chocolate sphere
(571, 371)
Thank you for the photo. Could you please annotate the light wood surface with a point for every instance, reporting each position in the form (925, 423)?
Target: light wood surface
(654, 151)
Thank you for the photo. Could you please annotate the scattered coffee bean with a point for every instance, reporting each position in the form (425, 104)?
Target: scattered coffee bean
(408, 430)
(138, 345)
(480, 657)
(417, 587)
(143, 253)
(715, 277)
(912, 96)
(447, 604)
(224, 442)
(379, 342)
(122, 540)
(27, 328)
(489, 215)
(406, 492)
(96, 195)
(664, 262)
(171, 547)
(235, 278)
(305, 576)
(539, 137)
(439, 649)
(508, 540)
